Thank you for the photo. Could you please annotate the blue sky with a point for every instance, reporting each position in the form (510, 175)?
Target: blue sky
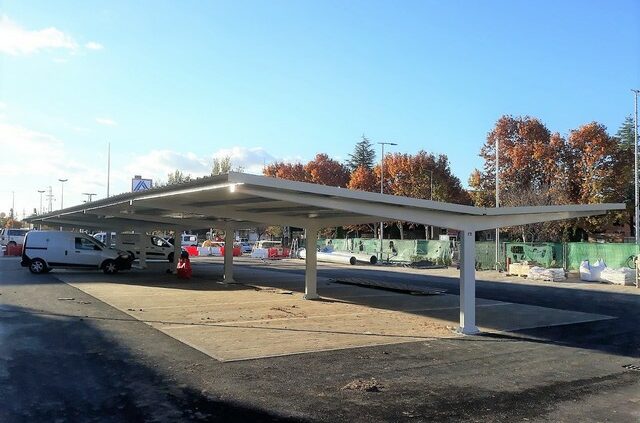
(173, 84)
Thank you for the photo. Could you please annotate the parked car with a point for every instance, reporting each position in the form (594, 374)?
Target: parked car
(12, 236)
(245, 247)
(46, 250)
(153, 246)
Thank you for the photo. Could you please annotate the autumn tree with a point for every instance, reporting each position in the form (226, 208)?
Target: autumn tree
(326, 171)
(290, 171)
(363, 155)
(530, 157)
(538, 167)
(415, 176)
(594, 161)
(363, 179)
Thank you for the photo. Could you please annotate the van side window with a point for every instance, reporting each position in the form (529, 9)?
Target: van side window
(85, 244)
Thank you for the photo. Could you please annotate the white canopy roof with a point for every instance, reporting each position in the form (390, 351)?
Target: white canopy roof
(243, 200)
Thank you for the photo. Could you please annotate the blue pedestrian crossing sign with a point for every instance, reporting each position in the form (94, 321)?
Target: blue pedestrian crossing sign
(139, 184)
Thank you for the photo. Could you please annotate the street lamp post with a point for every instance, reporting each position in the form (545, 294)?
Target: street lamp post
(62, 181)
(382, 144)
(635, 165)
(497, 203)
(431, 197)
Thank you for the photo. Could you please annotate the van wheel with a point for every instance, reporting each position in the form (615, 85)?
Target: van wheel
(37, 266)
(110, 267)
(170, 257)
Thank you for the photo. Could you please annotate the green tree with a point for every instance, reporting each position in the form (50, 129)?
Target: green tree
(626, 138)
(363, 155)
(176, 177)
(222, 165)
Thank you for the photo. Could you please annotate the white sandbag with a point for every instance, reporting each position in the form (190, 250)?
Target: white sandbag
(585, 272)
(591, 272)
(623, 276)
(542, 274)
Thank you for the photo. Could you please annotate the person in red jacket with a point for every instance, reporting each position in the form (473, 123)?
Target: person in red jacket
(184, 266)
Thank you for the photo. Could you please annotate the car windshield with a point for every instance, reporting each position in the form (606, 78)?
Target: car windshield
(100, 243)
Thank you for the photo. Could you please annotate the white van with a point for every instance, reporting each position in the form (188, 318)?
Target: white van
(189, 240)
(45, 250)
(156, 248)
(102, 237)
(12, 236)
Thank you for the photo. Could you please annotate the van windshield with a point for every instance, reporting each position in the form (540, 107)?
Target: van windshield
(100, 243)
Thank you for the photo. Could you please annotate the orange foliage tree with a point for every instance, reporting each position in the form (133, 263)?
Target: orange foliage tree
(411, 176)
(290, 171)
(326, 171)
(530, 157)
(363, 179)
(541, 168)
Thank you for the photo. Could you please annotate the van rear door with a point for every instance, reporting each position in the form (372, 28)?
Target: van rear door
(57, 248)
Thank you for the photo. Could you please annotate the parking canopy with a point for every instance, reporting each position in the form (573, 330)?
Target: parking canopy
(243, 200)
(236, 200)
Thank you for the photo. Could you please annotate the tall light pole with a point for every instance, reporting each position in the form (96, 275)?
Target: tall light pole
(62, 181)
(50, 199)
(89, 196)
(41, 191)
(635, 165)
(497, 202)
(431, 198)
(108, 168)
(382, 144)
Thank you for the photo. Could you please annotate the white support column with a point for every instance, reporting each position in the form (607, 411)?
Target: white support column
(311, 262)
(177, 249)
(228, 254)
(468, 284)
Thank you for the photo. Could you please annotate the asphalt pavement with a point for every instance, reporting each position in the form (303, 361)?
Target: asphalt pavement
(65, 356)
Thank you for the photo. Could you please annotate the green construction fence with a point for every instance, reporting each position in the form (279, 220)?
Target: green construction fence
(548, 254)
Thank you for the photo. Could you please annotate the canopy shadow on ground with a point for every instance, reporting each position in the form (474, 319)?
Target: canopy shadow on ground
(60, 368)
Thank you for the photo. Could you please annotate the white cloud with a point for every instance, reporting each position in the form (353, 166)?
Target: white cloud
(251, 160)
(37, 160)
(15, 40)
(92, 45)
(157, 164)
(106, 121)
